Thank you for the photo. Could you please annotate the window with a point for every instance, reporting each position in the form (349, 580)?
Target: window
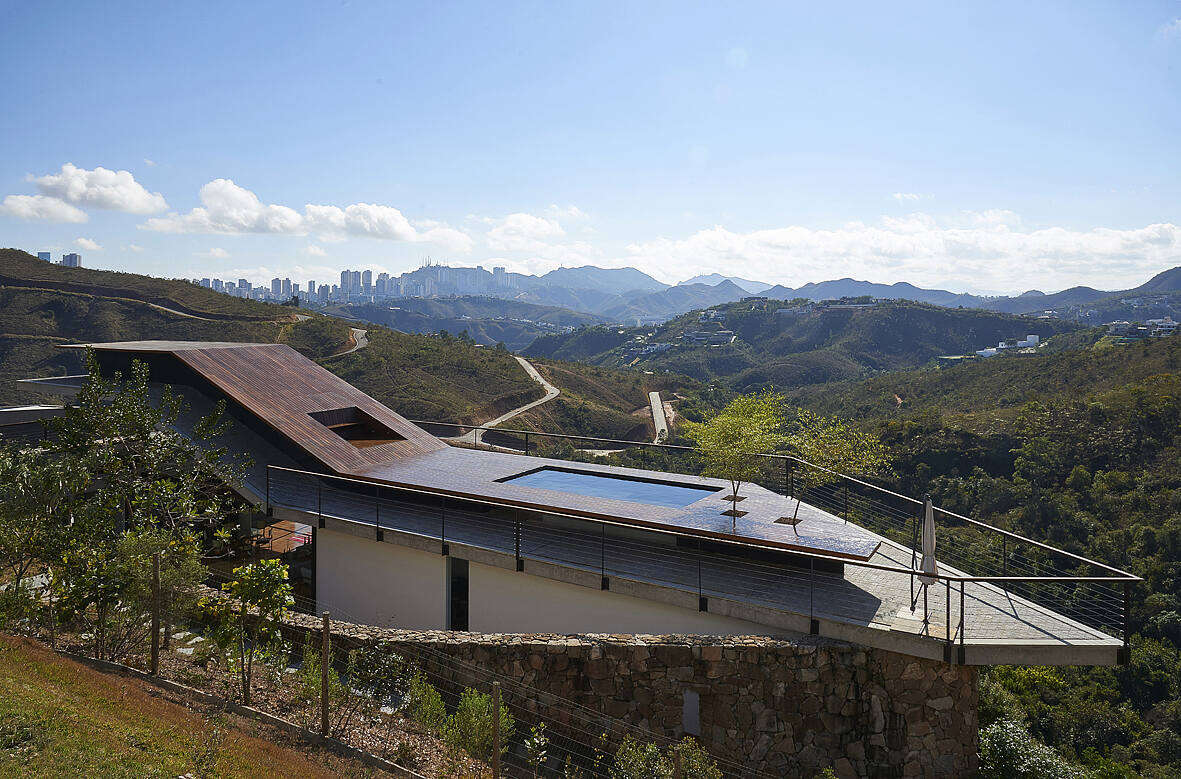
(355, 426)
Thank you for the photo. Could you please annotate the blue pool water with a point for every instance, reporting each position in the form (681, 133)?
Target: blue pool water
(597, 485)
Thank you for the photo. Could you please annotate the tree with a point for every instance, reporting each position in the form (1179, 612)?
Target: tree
(833, 446)
(251, 617)
(143, 470)
(39, 493)
(731, 441)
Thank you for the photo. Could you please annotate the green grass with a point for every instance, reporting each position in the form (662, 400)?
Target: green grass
(60, 718)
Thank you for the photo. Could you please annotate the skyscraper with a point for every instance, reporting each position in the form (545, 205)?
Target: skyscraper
(276, 287)
(72, 260)
(367, 282)
(286, 288)
(47, 256)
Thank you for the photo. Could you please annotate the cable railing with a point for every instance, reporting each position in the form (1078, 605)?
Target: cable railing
(953, 606)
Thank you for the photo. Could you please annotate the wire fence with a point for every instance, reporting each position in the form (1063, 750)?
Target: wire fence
(423, 719)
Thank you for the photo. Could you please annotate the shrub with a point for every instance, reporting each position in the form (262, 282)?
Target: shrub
(424, 705)
(695, 761)
(1007, 751)
(639, 760)
(470, 728)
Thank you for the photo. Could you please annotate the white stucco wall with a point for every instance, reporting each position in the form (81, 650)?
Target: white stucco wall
(511, 602)
(380, 584)
(391, 585)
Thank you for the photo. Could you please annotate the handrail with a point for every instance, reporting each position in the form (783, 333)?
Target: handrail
(752, 543)
(1120, 574)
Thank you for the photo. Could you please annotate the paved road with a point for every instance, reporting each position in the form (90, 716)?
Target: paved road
(360, 340)
(551, 392)
(658, 419)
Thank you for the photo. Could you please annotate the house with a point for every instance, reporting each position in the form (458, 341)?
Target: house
(409, 531)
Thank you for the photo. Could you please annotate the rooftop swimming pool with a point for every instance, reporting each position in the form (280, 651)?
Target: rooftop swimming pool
(601, 485)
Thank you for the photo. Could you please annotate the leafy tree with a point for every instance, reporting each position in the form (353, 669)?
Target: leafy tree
(833, 445)
(749, 425)
(259, 598)
(143, 471)
(1007, 751)
(40, 491)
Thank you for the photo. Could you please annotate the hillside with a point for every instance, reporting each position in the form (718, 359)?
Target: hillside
(19, 268)
(486, 320)
(754, 346)
(424, 377)
(984, 388)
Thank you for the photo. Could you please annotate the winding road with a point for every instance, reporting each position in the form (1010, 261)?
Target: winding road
(551, 392)
(360, 340)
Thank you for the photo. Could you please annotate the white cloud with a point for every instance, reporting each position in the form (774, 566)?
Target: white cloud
(218, 253)
(100, 188)
(89, 245)
(524, 233)
(569, 213)
(229, 209)
(316, 251)
(135, 248)
(903, 197)
(149, 163)
(40, 207)
(1170, 30)
(973, 250)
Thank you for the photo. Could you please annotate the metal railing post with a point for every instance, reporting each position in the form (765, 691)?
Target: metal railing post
(702, 603)
(443, 548)
(320, 500)
(526, 443)
(813, 623)
(606, 585)
(1005, 561)
(947, 627)
(1126, 651)
(269, 491)
(963, 626)
(377, 513)
(517, 533)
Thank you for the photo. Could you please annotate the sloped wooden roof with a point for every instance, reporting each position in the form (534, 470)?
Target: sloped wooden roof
(282, 387)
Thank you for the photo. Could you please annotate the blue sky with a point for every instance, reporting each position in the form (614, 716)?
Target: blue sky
(990, 147)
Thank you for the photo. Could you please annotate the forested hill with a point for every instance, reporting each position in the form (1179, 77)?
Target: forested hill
(986, 388)
(800, 346)
(1080, 448)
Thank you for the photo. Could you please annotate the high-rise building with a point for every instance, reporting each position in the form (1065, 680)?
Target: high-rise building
(243, 284)
(286, 288)
(47, 256)
(367, 282)
(205, 283)
(276, 287)
(312, 289)
(218, 285)
(72, 260)
(295, 289)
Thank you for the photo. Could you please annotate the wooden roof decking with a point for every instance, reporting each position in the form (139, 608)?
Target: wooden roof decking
(282, 388)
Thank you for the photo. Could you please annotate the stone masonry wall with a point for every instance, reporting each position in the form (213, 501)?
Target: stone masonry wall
(785, 708)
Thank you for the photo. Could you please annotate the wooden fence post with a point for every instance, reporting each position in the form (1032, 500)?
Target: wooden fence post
(325, 662)
(155, 662)
(496, 730)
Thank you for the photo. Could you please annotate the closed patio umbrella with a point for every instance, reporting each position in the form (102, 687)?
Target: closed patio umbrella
(928, 565)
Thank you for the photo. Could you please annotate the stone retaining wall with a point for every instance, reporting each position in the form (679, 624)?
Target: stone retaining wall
(786, 708)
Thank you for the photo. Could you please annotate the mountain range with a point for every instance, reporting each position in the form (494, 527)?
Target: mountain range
(630, 296)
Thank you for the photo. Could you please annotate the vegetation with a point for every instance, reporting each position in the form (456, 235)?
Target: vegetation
(60, 718)
(437, 378)
(784, 352)
(749, 424)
